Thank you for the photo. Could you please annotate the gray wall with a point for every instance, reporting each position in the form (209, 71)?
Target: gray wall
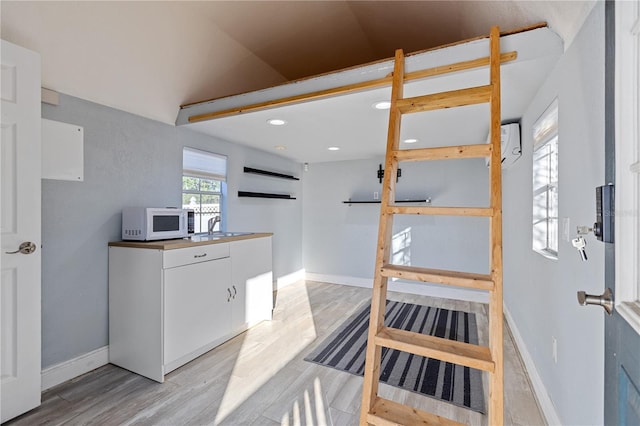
(340, 240)
(129, 160)
(540, 293)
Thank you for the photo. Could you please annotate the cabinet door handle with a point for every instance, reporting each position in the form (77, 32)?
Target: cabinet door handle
(229, 297)
(234, 291)
(199, 255)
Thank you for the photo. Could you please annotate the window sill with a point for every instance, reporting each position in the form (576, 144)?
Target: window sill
(549, 255)
(630, 311)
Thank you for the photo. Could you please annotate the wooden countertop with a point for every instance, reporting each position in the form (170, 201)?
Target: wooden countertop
(185, 242)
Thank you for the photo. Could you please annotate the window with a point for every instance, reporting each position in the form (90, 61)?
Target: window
(204, 178)
(545, 182)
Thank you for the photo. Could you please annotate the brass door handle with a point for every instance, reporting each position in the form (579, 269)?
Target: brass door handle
(605, 300)
(25, 248)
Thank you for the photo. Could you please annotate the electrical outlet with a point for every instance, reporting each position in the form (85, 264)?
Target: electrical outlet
(376, 195)
(554, 349)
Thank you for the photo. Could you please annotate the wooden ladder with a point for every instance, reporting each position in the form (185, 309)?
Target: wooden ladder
(376, 410)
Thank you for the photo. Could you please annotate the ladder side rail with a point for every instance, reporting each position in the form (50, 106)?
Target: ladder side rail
(379, 296)
(496, 393)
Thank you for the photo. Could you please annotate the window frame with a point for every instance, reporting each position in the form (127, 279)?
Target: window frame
(546, 137)
(215, 174)
(627, 125)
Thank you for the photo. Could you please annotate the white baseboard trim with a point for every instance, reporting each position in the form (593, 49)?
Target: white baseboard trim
(424, 289)
(339, 279)
(289, 279)
(540, 390)
(60, 373)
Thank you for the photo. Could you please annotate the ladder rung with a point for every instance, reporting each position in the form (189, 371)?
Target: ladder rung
(447, 350)
(440, 211)
(444, 153)
(439, 276)
(386, 413)
(453, 98)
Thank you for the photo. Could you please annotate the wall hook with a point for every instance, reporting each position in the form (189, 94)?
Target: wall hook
(381, 173)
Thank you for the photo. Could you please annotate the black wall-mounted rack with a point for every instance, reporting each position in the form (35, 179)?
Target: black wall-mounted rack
(265, 195)
(378, 201)
(268, 173)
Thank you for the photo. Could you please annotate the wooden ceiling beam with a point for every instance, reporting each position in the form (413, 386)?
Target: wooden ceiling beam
(350, 88)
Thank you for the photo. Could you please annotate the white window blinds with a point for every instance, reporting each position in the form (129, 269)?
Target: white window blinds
(204, 164)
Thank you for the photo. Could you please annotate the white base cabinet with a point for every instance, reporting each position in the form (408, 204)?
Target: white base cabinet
(167, 307)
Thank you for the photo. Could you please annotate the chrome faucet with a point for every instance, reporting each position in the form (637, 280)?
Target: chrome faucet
(212, 224)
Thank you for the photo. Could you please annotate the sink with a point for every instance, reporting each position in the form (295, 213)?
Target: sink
(232, 234)
(204, 236)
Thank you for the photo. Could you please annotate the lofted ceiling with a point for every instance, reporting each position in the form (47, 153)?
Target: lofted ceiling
(351, 123)
(149, 57)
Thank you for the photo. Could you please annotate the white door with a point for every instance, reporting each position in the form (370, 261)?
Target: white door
(20, 173)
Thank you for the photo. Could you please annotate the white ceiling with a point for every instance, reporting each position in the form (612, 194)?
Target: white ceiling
(351, 123)
(148, 57)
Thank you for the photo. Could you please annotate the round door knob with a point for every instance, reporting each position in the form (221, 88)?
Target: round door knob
(605, 300)
(25, 248)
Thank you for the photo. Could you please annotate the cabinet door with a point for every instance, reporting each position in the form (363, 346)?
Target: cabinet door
(252, 275)
(196, 307)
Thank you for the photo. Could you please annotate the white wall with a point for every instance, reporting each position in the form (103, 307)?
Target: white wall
(339, 240)
(540, 293)
(130, 160)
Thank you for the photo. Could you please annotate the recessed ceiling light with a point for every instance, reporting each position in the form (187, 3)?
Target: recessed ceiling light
(334, 148)
(276, 122)
(382, 105)
(410, 140)
(280, 147)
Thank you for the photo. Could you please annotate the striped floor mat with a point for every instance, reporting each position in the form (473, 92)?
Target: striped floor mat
(345, 350)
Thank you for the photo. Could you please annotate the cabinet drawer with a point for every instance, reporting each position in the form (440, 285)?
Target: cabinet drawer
(186, 256)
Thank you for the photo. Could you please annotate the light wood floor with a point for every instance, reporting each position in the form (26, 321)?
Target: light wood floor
(260, 377)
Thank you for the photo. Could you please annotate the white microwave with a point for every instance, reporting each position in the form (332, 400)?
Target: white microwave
(155, 223)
